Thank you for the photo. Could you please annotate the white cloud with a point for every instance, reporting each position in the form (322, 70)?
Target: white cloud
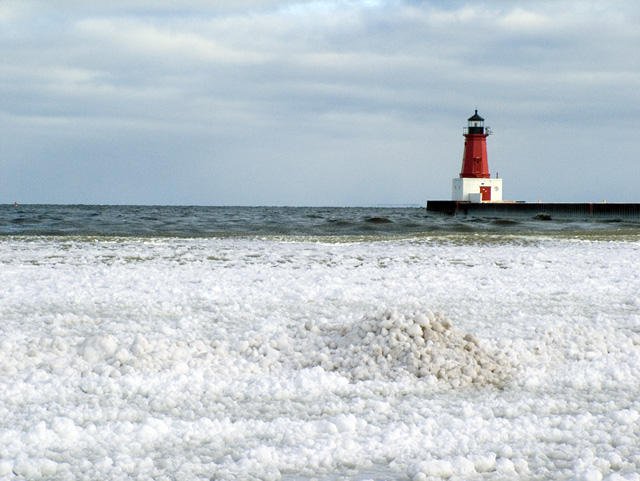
(525, 21)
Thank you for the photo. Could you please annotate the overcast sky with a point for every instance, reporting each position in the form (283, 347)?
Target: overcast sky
(335, 103)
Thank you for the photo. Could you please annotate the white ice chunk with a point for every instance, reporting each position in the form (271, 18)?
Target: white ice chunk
(591, 473)
(65, 428)
(439, 468)
(98, 348)
(345, 423)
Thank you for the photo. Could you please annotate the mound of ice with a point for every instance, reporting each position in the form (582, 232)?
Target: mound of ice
(423, 344)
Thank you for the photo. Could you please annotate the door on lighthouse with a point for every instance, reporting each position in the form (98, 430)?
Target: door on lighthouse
(485, 190)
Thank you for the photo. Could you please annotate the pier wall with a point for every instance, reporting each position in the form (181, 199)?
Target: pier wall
(586, 211)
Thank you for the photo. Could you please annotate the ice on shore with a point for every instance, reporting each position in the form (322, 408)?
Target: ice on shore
(265, 359)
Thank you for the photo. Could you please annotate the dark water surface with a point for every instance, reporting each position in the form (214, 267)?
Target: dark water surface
(186, 221)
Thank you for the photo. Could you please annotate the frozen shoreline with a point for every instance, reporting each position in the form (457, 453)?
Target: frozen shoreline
(249, 358)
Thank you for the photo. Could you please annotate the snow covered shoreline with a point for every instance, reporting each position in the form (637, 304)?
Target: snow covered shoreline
(263, 359)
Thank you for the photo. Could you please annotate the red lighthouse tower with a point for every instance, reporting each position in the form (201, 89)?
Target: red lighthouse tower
(474, 161)
(475, 183)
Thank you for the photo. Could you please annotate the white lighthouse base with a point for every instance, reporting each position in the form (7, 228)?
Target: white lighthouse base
(477, 190)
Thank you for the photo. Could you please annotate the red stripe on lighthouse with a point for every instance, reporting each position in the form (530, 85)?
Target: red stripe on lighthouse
(475, 163)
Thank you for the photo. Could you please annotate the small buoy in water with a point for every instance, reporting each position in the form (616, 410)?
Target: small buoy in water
(15, 204)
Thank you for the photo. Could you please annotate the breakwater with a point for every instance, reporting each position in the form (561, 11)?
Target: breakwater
(542, 210)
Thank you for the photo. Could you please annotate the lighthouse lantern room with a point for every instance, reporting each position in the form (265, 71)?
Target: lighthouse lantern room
(475, 183)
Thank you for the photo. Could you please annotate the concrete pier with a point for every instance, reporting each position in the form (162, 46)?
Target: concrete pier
(541, 210)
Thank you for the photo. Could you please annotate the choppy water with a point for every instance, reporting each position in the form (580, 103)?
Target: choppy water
(181, 221)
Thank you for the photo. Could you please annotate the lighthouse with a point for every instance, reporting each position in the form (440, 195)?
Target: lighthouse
(475, 193)
(475, 183)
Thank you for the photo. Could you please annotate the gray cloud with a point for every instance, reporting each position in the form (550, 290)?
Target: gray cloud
(309, 103)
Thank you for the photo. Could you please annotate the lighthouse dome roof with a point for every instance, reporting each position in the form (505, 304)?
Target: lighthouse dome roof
(475, 116)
